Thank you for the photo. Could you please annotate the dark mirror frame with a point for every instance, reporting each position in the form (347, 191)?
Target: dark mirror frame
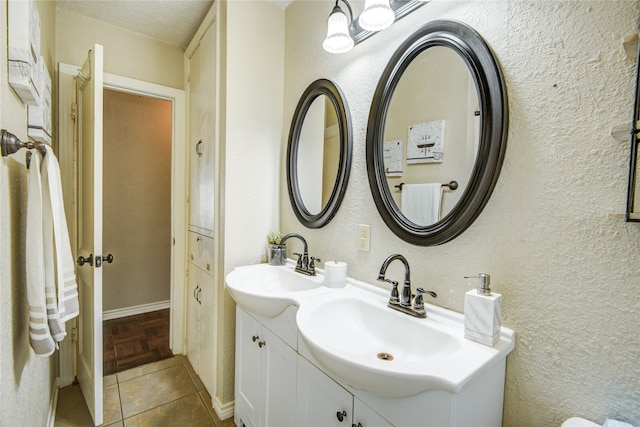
(334, 94)
(492, 96)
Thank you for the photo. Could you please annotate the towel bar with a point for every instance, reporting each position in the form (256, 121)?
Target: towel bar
(10, 144)
(453, 185)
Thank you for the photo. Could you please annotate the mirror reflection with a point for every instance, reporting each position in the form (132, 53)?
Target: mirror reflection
(431, 135)
(318, 158)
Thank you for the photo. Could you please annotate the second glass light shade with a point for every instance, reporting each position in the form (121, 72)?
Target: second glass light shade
(377, 15)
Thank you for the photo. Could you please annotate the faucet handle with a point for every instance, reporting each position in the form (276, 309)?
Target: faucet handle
(418, 302)
(395, 296)
(299, 263)
(312, 264)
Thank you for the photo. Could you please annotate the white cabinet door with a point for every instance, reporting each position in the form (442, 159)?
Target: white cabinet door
(206, 331)
(248, 367)
(265, 376)
(279, 378)
(193, 315)
(200, 325)
(363, 416)
(321, 401)
(202, 119)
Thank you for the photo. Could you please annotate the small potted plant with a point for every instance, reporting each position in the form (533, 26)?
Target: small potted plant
(277, 253)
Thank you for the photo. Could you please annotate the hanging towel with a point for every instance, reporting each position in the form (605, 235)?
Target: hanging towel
(67, 286)
(56, 327)
(420, 203)
(39, 335)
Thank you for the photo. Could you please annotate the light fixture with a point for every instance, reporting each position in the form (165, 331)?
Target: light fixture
(343, 34)
(338, 35)
(377, 15)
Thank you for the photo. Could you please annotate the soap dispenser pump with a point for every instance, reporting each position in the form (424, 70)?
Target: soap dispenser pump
(482, 312)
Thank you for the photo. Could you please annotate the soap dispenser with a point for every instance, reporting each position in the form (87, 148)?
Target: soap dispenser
(482, 312)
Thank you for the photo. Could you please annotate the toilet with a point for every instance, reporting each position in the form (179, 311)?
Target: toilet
(579, 422)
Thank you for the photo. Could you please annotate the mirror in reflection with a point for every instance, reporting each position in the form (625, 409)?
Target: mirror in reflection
(318, 155)
(431, 135)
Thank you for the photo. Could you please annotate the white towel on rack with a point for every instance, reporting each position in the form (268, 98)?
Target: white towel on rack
(420, 203)
(56, 327)
(67, 286)
(39, 335)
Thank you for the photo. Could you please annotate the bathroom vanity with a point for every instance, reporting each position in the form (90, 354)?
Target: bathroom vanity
(310, 364)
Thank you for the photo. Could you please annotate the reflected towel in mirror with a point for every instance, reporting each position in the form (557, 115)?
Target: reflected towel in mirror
(420, 203)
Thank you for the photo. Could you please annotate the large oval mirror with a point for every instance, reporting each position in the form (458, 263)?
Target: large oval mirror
(319, 154)
(437, 133)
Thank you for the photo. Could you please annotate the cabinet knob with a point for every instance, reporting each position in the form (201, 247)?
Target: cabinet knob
(262, 344)
(254, 338)
(341, 415)
(356, 425)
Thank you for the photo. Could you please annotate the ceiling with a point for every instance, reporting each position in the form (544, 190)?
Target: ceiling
(172, 21)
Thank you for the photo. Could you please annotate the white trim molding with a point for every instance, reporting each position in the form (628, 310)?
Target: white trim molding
(223, 411)
(136, 309)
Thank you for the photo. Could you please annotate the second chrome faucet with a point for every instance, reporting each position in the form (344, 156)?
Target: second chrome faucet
(305, 264)
(403, 302)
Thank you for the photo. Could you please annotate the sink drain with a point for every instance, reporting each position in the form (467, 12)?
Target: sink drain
(385, 356)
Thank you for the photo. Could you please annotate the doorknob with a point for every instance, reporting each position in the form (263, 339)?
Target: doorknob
(89, 260)
(108, 258)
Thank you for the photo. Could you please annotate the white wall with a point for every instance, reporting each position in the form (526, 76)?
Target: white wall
(252, 70)
(137, 200)
(26, 381)
(126, 53)
(552, 236)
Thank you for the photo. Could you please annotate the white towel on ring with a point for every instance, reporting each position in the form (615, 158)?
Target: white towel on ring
(420, 203)
(67, 286)
(39, 335)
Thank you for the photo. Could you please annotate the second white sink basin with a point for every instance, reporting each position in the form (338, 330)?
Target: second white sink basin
(379, 350)
(267, 290)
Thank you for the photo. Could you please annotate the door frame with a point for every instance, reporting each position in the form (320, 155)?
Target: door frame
(67, 156)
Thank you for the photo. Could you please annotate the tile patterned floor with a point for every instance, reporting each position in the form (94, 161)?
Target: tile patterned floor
(163, 393)
(135, 340)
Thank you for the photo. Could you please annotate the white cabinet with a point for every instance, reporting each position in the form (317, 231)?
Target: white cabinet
(202, 120)
(201, 311)
(324, 403)
(265, 376)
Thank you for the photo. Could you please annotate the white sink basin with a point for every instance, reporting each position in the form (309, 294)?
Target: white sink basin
(354, 335)
(268, 290)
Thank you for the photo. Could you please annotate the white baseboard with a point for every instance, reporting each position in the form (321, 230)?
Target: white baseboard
(53, 404)
(224, 411)
(136, 309)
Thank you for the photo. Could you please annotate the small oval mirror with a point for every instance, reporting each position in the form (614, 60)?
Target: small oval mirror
(438, 123)
(319, 154)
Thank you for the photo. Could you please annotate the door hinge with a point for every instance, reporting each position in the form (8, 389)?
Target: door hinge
(174, 241)
(74, 334)
(74, 110)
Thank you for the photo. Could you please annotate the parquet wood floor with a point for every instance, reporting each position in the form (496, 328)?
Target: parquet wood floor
(135, 340)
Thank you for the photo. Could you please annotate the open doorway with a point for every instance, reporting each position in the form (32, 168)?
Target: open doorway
(136, 229)
(67, 157)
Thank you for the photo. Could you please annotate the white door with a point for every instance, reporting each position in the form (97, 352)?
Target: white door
(89, 84)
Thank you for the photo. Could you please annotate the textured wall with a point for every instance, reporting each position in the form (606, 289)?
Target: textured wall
(26, 381)
(552, 236)
(126, 53)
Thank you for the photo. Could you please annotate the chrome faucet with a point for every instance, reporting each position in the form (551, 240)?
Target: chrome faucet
(403, 302)
(305, 264)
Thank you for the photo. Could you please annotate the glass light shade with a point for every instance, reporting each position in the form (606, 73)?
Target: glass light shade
(377, 15)
(338, 38)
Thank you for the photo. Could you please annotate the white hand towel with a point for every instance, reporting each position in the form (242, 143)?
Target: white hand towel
(56, 327)
(420, 203)
(39, 334)
(67, 286)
